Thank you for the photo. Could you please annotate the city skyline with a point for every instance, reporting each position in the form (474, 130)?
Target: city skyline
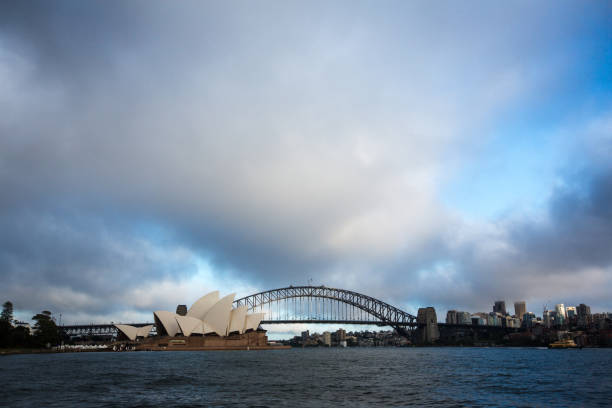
(427, 155)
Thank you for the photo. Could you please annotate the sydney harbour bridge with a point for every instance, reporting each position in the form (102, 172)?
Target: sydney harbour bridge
(300, 304)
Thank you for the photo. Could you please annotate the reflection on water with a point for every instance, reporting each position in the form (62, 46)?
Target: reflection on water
(312, 377)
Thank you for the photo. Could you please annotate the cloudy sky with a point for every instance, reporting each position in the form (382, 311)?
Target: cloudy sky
(445, 154)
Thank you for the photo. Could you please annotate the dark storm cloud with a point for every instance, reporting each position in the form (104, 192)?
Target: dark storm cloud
(69, 41)
(45, 252)
(579, 231)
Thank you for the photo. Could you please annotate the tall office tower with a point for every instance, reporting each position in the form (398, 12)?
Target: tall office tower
(520, 308)
(500, 307)
(451, 317)
(464, 318)
(529, 319)
(547, 318)
(584, 314)
(560, 309)
(570, 311)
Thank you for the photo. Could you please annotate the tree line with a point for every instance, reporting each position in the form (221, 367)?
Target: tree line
(45, 332)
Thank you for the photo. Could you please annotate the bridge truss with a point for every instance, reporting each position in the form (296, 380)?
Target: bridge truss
(320, 304)
(295, 304)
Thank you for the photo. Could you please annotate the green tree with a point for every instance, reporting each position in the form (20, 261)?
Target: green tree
(7, 312)
(20, 337)
(47, 332)
(6, 327)
(5, 333)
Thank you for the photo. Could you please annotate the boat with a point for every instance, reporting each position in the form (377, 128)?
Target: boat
(563, 344)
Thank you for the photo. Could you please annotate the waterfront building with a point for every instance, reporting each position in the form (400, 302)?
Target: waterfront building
(464, 318)
(477, 320)
(483, 318)
(547, 318)
(208, 315)
(498, 319)
(520, 308)
(499, 307)
(456, 317)
(327, 338)
(529, 320)
(552, 318)
(340, 336)
(602, 321)
(511, 322)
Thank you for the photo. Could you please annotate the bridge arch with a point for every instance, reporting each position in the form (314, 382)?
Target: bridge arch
(383, 313)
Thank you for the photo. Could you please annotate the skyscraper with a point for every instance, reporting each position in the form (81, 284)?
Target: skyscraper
(584, 314)
(520, 308)
(560, 309)
(500, 307)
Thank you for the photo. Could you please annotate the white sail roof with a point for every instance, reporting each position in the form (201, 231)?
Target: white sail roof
(144, 331)
(206, 329)
(130, 332)
(190, 325)
(237, 320)
(218, 317)
(252, 321)
(168, 320)
(203, 305)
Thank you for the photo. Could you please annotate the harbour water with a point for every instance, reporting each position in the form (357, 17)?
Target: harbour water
(441, 377)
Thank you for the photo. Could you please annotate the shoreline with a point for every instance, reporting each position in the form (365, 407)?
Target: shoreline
(9, 352)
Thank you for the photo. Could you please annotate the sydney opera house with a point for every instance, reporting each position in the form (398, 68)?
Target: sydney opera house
(210, 323)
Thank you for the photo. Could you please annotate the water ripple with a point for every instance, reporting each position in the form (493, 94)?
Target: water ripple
(440, 377)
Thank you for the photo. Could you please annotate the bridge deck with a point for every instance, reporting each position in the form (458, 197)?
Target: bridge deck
(317, 321)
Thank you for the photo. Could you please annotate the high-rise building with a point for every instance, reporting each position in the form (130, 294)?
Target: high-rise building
(547, 318)
(571, 312)
(559, 317)
(584, 314)
(451, 317)
(520, 308)
(529, 319)
(499, 307)
(560, 309)
(464, 318)
(583, 310)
